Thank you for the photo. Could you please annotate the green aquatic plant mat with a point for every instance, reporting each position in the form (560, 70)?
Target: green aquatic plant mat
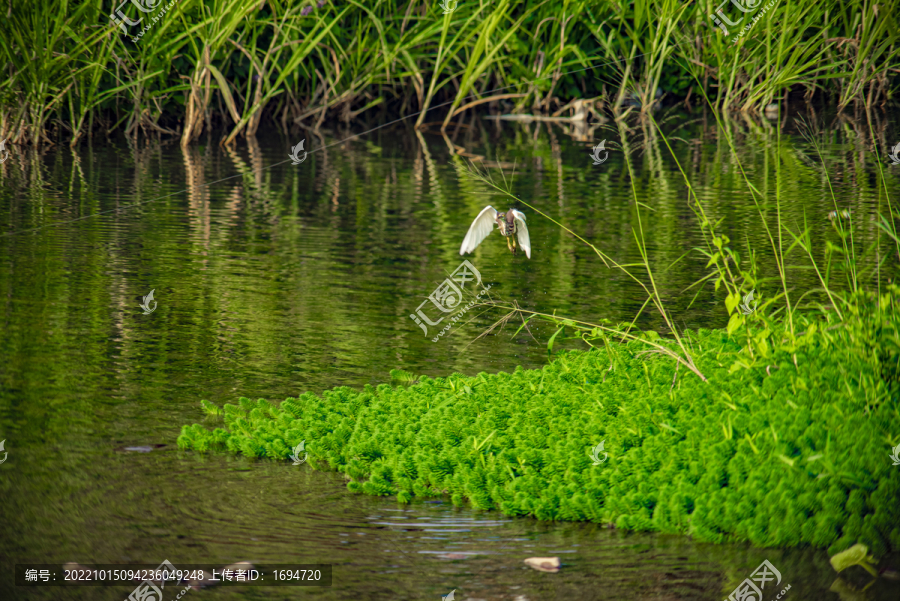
(786, 446)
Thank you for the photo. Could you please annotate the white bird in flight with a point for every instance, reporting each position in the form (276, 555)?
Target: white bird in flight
(511, 223)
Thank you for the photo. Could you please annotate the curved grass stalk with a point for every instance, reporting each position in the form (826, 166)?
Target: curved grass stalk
(705, 223)
(803, 240)
(687, 361)
(869, 42)
(888, 227)
(266, 91)
(806, 132)
(219, 23)
(754, 192)
(642, 248)
(475, 64)
(445, 49)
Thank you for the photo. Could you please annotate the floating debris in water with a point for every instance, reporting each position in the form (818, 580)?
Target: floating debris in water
(857, 555)
(844, 215)
(543, 564)
(141, 449)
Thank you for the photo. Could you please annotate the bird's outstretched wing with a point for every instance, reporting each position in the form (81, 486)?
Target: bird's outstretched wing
(522, 232)
(479, 229)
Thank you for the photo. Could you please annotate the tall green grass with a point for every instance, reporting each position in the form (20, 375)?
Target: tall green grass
(229, 65)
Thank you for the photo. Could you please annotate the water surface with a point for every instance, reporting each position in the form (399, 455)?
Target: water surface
(273, 279)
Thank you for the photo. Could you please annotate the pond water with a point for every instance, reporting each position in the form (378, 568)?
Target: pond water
(272, 279)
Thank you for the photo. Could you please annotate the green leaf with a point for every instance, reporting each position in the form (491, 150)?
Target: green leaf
(226, 93)
(521, 327)
(729, 402)
(762, 345)
(478, 447)
(668, 427)
(732, 301)
(552, 338)
(734, 323)
(752, 446)
(799, 383)
(857, 555)
(787, 460)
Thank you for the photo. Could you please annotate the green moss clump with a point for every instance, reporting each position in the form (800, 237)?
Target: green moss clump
(796, 454)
